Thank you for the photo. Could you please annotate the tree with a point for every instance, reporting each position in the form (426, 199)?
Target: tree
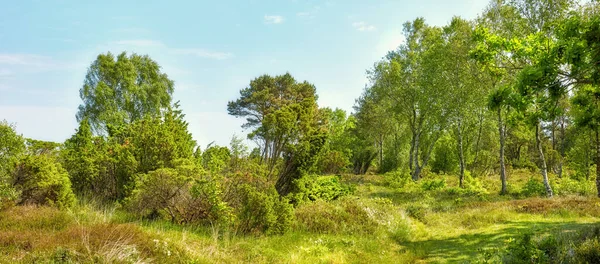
(499, 101)
(411, 78)
(121, 90)
(12, 147)
(80, 159)
(287, 124)
(337, 151)
(465, 80)
(578, 49)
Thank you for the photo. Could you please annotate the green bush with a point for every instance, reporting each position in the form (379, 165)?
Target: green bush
(444, 157)
(417, 211)
(397, 179)
(183, 195)
(560, 247)
(433, 184)
(263, 211)
(327, 188)
(588, 251)
(257, 206)
(533, 187)
(566, 185)
(41, 180)
(524, 250)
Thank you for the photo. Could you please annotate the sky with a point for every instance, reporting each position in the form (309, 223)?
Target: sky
(210, 49)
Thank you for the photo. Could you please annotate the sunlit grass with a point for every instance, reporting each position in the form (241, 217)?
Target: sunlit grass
(378, 224)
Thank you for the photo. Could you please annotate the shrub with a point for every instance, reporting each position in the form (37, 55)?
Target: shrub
(524, 250)
(588, 251)
(183, 194)
(263, 212)
(561, 247)
(417, 211)
(397, 179)
(333, 162)
(42, 180)
(444, 156)
(566, 185)
(473, 186)
(533, 187)
(433, 184)
(326, 188)
(257, 206)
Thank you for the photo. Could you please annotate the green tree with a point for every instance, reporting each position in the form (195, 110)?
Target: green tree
(121, 90)
(410, 77)
(80, 159)
(12, 147)
(287, 125)
(41, 180)
(337, 151)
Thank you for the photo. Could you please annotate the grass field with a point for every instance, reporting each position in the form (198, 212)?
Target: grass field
(379, 223)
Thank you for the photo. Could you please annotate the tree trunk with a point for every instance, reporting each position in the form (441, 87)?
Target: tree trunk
(543, 166)
(477, 142)
(417, 169)
(562, 147)
(461, 156)
(502, 167)
(380, 151)
(598, 160)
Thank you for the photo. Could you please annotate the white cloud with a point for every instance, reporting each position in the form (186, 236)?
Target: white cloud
(140, 43)
(273, 19)
(24, 59)
(202, 53)
(362, 26)
(198, 52)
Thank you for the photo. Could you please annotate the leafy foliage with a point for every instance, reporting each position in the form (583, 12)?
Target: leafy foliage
(41, 180)
(121, 90)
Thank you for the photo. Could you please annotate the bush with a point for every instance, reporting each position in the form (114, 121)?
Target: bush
(533, 187)
(432, 184)
(42, 180)
(445, 159)
(397, 179)
(183, 195)
(257, 206)
(588, 251)
(560, 247)
(524, 250)
(417, 211)
(263, 212)
(566, 186)
(327, 188)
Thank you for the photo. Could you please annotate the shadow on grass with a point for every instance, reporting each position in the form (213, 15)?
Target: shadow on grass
(465, 248)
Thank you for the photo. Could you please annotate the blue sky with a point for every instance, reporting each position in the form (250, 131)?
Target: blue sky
(211, 49)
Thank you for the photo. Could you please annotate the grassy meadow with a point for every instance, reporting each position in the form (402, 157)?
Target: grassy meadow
(385, 220)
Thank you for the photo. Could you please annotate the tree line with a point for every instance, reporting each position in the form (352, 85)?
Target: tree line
(516, 88)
